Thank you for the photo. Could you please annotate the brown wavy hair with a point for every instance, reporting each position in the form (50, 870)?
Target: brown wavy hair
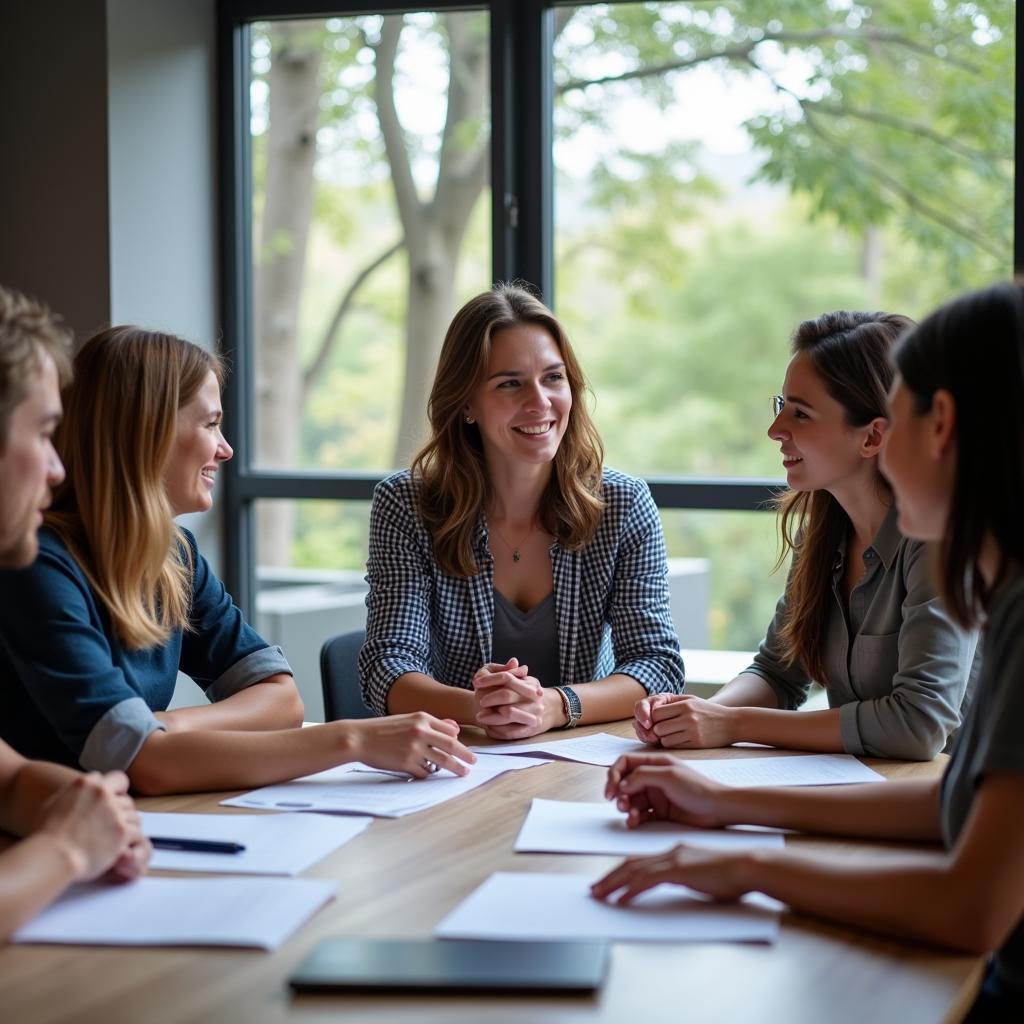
(850, 352)
(974, 348)
(28, 331)
(453, 485)
(112, 511)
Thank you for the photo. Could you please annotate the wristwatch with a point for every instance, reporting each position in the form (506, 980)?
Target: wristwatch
(571, 705)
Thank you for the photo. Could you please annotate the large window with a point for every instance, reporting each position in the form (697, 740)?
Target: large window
(683, 181)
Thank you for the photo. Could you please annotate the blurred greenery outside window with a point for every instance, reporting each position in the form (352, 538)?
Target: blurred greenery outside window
(722, 171)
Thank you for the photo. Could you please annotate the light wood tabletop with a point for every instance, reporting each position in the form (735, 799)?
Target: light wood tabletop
(400, 877)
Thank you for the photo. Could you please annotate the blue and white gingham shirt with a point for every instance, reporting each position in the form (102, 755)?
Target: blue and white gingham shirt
(611, 599)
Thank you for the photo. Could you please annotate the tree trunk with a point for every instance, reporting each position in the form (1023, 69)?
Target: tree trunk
(430, 297)
(280, 264)
(871, 267)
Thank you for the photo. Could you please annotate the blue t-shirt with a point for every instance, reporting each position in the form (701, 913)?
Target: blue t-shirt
(71, 693)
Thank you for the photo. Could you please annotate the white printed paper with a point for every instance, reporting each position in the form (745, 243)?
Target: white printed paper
(602, 748)
(801, 770)
(534, 906)
(359, 789)
(563, 826)
(275, 844)
(259, 912)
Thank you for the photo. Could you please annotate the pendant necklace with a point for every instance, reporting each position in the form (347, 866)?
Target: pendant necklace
(514, 548)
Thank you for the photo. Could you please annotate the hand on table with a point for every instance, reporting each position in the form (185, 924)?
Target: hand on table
(509, 703)
(96, 821)
(720, 875)
(659, 787)
(412, 743)
(684, 721)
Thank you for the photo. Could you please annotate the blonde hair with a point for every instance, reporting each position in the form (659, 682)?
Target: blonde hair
(112, 511)
(453, 485)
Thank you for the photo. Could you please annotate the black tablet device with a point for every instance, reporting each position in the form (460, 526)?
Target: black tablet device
(446, 965)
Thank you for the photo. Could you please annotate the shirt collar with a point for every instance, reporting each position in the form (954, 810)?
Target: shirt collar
(886, 542)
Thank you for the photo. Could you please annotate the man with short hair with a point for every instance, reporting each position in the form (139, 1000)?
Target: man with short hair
(77, 826)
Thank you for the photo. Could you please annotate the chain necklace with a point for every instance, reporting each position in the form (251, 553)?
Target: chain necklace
(514, 548)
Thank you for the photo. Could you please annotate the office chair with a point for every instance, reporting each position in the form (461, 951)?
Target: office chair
(339, 677)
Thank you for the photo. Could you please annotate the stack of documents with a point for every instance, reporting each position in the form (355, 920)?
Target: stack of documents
(275, 844)
(534, 906)
(258, 912)
(360, 789)
(563, 826)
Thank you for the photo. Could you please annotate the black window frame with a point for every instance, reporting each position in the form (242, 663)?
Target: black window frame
(522, 242)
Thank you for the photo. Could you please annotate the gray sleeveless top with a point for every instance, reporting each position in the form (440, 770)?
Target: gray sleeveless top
(531, 636)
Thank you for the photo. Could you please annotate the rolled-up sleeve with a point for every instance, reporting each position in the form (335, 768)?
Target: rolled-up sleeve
(934, 664)
(789, 682)
(53, 634)
(644, 641)
(221, 651)
(398, 608)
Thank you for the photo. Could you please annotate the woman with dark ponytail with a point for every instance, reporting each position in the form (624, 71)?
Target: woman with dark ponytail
(860, 614)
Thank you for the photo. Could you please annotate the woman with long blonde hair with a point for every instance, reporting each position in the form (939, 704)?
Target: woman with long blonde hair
(515, 584)
(120, 600)
(860, 614)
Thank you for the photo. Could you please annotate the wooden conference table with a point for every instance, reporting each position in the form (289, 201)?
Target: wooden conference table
(400, 877)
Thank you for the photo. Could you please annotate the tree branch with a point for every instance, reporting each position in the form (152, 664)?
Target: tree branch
(885, 180)
(743, 51)
(407, 200)
(313, 372)
(904, 125)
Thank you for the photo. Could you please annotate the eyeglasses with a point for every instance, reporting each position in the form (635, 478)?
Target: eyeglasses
(778, 404)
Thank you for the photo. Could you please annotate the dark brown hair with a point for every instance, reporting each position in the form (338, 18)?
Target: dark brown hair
(850, 353)
(974, 349)
(453, 483)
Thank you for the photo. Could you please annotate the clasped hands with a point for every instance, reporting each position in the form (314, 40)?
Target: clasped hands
(681, 720)
(509, 703)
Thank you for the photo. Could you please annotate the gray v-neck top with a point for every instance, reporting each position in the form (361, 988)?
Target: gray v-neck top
(531, 636)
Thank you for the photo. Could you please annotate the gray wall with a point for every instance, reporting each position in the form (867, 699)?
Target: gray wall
(54, 239)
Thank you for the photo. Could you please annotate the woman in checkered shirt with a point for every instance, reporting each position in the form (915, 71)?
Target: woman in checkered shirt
(515, 584)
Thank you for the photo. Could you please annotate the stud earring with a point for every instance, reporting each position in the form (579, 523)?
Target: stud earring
(470, 420)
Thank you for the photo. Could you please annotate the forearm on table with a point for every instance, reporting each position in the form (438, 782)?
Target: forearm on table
(907, 896)
(904, 809)
(26, 789)
(797, 730)
(199, 761)
(609, 699)
(747, 690)
(414, 691)
(272, 703)
(33, 873)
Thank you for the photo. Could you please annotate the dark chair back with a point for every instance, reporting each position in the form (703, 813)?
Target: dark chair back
(339, 677)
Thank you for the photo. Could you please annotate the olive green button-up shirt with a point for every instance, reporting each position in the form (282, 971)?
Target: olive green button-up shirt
(898, 668)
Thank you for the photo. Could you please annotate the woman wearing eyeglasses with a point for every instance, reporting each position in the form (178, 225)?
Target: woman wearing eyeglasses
(860, 614)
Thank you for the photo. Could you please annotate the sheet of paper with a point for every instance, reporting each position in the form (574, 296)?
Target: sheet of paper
(563, 826)
(533, 906)
(601, 748)
(275, 844)
(359, 789)
(260, 912)
(800, 770)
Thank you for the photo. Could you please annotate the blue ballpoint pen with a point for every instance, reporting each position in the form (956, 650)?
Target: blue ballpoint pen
(196, 845)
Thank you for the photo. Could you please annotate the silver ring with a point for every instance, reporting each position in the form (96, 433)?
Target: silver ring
(430, 766)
